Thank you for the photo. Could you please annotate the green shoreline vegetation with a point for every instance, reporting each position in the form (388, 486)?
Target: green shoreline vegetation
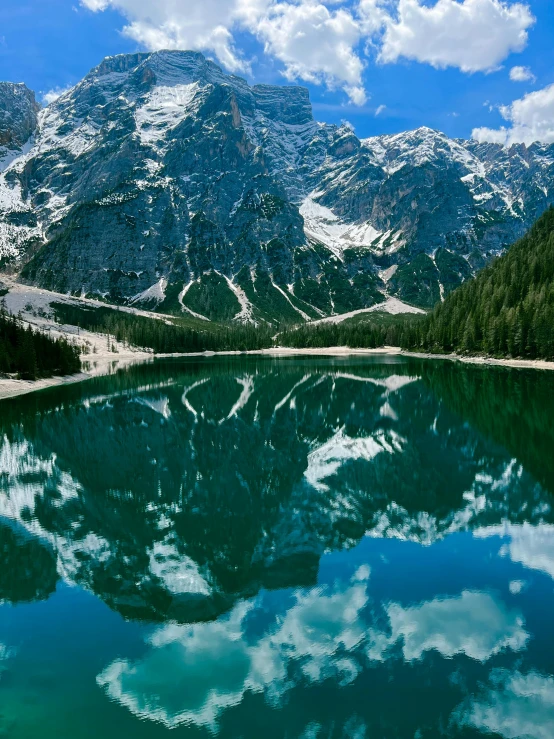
(173, 335)
(506, 311)
(32, 354)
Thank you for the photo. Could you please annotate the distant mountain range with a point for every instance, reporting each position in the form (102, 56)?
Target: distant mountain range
(161, 181)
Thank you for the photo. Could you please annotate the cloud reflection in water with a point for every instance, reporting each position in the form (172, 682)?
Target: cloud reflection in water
(190, 674)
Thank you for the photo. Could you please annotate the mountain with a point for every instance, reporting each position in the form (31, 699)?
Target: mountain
(508, 309)
(18, 122)
(18, 119)
(162, 181)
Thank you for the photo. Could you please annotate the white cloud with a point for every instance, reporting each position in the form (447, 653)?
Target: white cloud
(521, 74)
(211, 659)
(326, 41)
(516, 586)
(380, 109)
(373, 16)
(474, 35)
(96, 5)
(191, 674)
(491, 135)
(52, 95)
(315, 44)
(206, 25)
(517, 706)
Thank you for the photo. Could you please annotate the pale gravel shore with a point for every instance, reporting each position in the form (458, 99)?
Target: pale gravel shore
(107, 363)
(34, 306)
(516, 363)
(104, 364)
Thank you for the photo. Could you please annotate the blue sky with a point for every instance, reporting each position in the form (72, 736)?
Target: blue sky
(383, 65)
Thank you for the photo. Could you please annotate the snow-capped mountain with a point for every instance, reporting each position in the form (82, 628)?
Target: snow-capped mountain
(18, 119)
(161, 180)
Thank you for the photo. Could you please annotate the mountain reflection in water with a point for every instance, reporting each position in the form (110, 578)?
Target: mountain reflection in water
(299, 548)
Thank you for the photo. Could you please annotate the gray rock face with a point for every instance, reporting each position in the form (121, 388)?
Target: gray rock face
(18, 122)
(18, 116)
(161, 180)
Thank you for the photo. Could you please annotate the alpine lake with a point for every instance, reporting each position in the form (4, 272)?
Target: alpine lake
(299, 547)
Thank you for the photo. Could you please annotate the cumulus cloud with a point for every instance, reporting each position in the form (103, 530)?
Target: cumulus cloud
(52, 95)
(516, 586)
(190, 675)
(521, 74)
(518, 705)
(474, 624)
(327, 42)
(206, 26)
(314, 42)
(474, 35)
(193, 673)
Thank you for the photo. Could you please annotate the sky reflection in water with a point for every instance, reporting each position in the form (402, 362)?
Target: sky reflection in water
(323, 548)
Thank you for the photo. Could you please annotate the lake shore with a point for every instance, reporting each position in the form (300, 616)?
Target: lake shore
(102, 365)
(107, 363)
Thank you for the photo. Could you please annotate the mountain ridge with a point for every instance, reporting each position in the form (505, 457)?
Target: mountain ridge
(163, 181)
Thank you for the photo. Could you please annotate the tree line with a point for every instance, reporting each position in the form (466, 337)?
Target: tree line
(162, 335)
(507, 310)
(32, 354)
(373, 334)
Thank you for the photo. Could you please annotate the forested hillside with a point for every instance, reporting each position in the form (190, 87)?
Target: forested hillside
(164, 337)
(32, 354)
(507, 310)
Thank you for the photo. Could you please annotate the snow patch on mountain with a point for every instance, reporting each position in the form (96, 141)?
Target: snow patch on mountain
(419, 147)
(300, 312)
(245, 315)
(164, 109)
(393, 306)
(179, 573)
(321, 224)
(154, 293)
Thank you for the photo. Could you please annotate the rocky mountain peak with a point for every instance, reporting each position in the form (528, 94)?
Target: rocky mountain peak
(290, 105)
(119, 64)
(18, 115)
(161, 180)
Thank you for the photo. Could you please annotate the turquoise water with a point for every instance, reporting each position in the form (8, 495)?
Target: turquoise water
(256, 547)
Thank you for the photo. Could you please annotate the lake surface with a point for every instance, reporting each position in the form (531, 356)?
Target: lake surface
(257, 547)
